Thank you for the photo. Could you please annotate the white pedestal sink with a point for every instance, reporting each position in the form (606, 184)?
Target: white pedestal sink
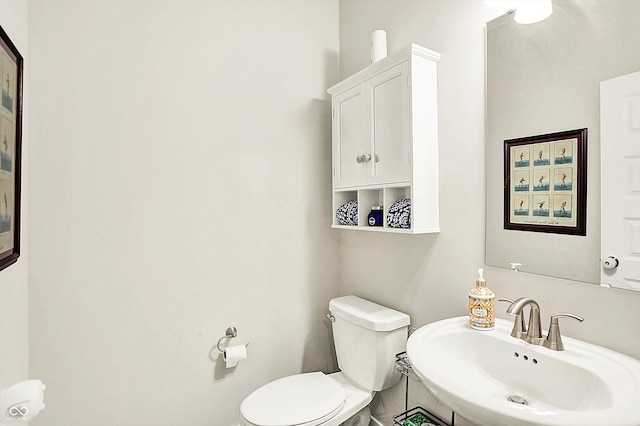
(493, 379)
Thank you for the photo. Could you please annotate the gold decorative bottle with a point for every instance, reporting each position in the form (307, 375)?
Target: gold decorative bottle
(481, 301)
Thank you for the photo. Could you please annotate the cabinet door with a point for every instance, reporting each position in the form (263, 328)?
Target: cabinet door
(389, 130)
(349, 138)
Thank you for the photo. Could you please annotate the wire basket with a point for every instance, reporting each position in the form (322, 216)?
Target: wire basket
(417, 416)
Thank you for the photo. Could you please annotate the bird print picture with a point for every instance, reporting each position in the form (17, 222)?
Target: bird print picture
(11, 67)
(545, 182)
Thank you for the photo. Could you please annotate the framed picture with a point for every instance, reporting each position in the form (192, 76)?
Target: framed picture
(545, 183)
(11, 64)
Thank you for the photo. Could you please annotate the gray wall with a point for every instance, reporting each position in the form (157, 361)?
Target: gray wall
(181, 185)
(426, 276)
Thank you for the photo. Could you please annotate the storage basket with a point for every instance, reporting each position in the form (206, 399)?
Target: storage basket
(417, 416)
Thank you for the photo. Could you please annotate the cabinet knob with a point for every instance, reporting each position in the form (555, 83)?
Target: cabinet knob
(364, 158)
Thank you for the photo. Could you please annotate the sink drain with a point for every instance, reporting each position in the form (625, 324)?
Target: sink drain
(518, 400)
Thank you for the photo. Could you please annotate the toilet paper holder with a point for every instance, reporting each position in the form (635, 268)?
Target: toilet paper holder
(229, 334)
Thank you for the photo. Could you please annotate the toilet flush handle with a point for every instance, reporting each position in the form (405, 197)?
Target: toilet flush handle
(331, 317)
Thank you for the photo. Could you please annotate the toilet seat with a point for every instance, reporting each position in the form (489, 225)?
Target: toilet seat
(308, 399)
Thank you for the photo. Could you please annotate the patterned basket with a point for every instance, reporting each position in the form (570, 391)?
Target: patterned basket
(399, 215)
(347, 214)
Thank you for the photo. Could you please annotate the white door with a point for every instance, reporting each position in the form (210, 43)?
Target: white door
(620, 185)
(389, 135)
(349, 138)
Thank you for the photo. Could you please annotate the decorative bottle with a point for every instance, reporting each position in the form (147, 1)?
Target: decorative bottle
(481, 305)
(375, 217)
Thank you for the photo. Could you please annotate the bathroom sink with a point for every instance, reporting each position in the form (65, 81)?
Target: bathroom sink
(493, 379)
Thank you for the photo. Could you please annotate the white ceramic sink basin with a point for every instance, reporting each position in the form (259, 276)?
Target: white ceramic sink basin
(476, 372)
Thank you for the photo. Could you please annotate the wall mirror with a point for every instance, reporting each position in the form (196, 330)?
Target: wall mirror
(544, 78)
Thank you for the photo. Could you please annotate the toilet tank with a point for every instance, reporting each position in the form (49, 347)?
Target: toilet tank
(367, 337)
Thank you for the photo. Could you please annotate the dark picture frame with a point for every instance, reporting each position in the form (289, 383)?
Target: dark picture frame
(545, 183)
(11, 74)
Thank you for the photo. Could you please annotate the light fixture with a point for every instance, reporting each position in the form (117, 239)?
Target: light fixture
(22, 401)
(526, 11)
(532, 11)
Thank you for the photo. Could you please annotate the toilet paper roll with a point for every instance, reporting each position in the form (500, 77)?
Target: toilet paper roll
(378, 45)
(233, 355)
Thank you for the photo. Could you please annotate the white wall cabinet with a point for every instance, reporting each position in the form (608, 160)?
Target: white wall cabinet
(385, 139)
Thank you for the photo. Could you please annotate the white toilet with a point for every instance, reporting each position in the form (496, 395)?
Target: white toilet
(367, 337)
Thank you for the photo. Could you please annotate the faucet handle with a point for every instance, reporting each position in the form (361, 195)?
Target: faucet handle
(554, 339)
(554, 318)
(519, 328)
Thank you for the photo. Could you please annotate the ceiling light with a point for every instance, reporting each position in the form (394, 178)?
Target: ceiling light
(532, 11)
(527, 11)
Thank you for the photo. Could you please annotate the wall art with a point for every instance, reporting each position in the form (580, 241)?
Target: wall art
(545, 183)
(11, 66)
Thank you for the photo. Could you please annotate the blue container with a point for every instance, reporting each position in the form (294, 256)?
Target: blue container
(375, 217)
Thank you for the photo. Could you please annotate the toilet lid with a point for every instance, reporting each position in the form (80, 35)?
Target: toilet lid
(303, 399)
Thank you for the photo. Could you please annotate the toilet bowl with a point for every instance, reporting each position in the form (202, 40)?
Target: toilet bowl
(367, 337)
(310, 399)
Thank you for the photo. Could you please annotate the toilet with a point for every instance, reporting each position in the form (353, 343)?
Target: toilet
(367, 337)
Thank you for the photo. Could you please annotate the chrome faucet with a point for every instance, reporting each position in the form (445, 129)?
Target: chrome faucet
(532, 332)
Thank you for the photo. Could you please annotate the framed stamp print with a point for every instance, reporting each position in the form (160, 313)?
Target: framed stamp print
(11, 65)
(545, 183)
